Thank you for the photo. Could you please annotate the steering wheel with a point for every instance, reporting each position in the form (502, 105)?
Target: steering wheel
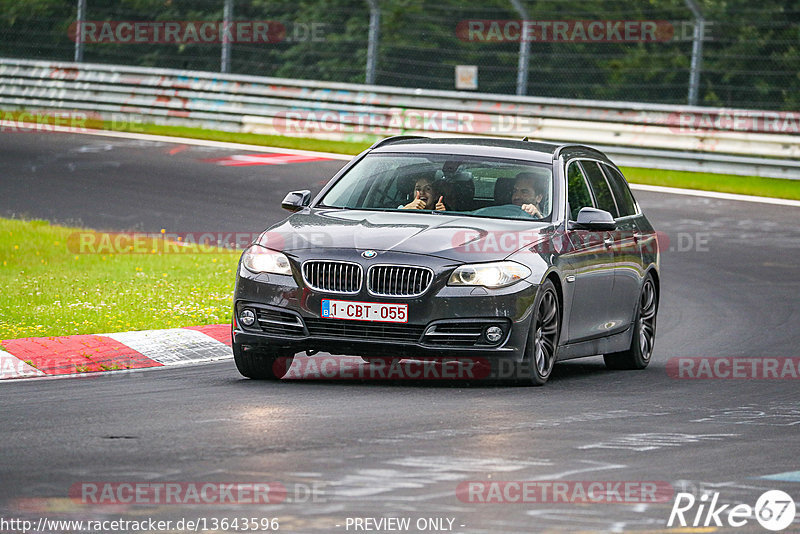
(506, 210)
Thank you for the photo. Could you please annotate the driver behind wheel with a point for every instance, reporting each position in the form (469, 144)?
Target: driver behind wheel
(529, 192)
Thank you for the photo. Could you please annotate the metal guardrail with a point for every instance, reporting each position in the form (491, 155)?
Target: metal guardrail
(647, 135)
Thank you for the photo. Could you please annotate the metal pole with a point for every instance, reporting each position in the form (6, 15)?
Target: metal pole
(697, 51)
(227, 15)
(78, 32)
(524, 49)
(374, 36)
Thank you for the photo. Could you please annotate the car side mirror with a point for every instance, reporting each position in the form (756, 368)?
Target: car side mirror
(296, 200)
(594, 219)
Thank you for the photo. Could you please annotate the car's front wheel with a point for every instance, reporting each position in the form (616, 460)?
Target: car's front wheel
(644, 332)
(262, 363)
(541, 350)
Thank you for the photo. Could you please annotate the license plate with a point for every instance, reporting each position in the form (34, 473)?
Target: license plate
(364, 311)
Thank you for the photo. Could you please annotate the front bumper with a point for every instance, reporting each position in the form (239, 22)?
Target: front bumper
(445, 322)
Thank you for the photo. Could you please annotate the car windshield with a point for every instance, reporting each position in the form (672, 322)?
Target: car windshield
(468, 185)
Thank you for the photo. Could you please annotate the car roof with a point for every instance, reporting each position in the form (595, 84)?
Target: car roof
(484, 146)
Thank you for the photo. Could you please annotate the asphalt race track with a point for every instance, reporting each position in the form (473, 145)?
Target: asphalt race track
(351, 449)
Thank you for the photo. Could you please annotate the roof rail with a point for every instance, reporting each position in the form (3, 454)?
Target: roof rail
(557, 151)
(561, 148)
(394, 138)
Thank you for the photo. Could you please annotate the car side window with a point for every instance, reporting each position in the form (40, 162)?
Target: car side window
(625, 200)
(578, 194)
(602, 193)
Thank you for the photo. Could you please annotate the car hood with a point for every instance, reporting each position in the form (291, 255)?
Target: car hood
(454, 237)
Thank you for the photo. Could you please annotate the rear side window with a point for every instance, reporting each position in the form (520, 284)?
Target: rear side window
(602, 193)
(577, 191)
(625, 201)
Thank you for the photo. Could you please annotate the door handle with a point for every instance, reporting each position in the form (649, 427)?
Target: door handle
(637, 236)
(608, 241)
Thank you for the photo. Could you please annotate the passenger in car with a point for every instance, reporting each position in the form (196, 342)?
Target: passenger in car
(529, 192)
(426, 197)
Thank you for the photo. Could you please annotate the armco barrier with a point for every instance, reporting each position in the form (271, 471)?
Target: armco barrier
(675, 137)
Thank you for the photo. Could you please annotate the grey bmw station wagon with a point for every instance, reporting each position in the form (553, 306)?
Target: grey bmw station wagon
(519, 252)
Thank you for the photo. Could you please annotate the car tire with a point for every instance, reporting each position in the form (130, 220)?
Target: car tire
(644, 332)
(261, 364)
(541, 349)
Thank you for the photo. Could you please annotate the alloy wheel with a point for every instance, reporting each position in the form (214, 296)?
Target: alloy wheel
(647, 319)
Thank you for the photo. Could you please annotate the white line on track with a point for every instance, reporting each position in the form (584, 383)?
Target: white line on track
(715, 194)
(345, 157)
(216, 144)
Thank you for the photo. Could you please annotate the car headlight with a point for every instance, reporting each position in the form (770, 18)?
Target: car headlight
(258, 259)
(492, 275)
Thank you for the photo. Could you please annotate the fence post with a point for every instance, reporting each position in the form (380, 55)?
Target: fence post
(78, 33)
(697, 51)
(374, 37)
(227, 15)
(524, 49)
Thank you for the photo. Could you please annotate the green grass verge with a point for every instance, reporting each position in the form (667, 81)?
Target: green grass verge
(50, 288)
(725, 183)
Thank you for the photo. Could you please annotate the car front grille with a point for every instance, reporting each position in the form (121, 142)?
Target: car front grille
(398, 280)
(279, 322)
(333, 276)
(357, 330)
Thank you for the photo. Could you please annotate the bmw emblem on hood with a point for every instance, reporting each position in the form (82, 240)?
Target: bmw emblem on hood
(369, 254)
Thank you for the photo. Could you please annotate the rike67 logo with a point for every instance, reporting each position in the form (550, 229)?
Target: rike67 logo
(774, 510)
